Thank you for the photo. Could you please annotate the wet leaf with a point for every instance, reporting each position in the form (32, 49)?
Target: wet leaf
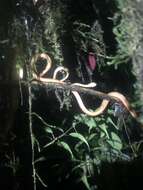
(80, 137)
(66, 147)
(115, 141)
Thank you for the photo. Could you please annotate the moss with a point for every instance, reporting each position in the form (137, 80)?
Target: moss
(126, 32)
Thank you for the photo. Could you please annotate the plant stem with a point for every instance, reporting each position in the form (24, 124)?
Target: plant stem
(31, 134)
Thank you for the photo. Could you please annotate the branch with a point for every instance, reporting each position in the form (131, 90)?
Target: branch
(63, 86)
(110, 97)
(71, 87)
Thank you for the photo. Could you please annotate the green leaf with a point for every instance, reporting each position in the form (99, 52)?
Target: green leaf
(102, 134)
(91, 123)
(109, 120)
(41, 159)
(115, 141)
(92, 136)
(66, 147)
(85, 181)
(103, 127)
(48, 130)
(80, 137)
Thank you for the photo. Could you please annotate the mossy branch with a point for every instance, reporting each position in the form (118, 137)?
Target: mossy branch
(71, 87)
(65, 86)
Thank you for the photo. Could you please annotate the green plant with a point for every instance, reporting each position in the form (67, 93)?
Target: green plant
(126, 33)
(89, 141)
(89, 38)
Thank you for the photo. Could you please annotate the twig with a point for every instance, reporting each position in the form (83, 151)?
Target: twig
(41, 181)
(57, 138)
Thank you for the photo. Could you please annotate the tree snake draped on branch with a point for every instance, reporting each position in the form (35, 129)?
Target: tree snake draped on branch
(60, 69)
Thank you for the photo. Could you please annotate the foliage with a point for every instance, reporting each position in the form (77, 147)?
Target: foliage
(126, 32)
(89, 39)
(89, 142)
(86, 140)
(54, 20)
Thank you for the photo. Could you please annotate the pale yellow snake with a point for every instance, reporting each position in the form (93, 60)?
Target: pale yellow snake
(40, 77)
(121, 98)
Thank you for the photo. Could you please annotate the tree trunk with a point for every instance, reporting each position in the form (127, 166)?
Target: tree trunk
(8, 93)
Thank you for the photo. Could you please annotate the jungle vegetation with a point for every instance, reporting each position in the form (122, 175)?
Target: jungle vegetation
(46, 141)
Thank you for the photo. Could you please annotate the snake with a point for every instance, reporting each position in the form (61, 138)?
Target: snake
(121, 98)
(40, 77)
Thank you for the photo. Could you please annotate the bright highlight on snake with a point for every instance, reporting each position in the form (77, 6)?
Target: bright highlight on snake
(40, 77)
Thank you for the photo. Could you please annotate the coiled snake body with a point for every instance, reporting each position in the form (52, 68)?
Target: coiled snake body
(39, 77)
